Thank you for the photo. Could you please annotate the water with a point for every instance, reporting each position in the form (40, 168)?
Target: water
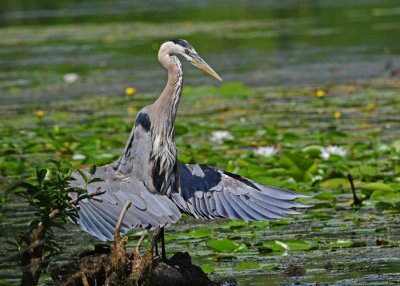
(265, 44)
(261, 43)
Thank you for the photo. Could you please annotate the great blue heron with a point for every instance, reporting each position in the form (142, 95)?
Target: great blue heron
(160, 187)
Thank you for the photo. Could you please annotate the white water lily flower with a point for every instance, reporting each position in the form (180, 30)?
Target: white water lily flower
(70, 77)
(220, 136)
(266, 151)
(333, 150)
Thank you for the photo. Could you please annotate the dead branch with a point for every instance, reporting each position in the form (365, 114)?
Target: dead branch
(121, 219)
(356, 200)
(98, 192)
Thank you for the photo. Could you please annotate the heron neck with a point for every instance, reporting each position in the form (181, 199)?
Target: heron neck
(166, 106)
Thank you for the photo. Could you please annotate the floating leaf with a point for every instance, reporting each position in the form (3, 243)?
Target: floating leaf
(364, 170)
(273, 246)
(235, 88)
(270, 266)
(224, 245)
(377, 186)
(246, 265)
(296, 244)
(336, 183)
(319, 215)
(386, 196)
(341, 243)
(396, 145)
(235, 224)
(207, 269)
(201, 232)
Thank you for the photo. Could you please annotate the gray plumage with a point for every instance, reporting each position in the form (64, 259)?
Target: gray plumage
(148, 172)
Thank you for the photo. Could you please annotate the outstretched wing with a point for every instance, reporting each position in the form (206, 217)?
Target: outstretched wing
(98, 215)
(207, 192)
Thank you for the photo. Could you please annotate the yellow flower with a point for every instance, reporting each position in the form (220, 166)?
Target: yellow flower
(109, 39)
(371, 106)
(320, 93)
(130, 91)
(39, 113)
(48, 146)
(337, 114)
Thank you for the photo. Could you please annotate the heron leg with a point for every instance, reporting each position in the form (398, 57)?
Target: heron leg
(162, 238)
(156, 248)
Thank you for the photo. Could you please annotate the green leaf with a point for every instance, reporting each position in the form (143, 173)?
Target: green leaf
(207, 269)
(246, 265)
(377, 186)
(95, 180)
(235, 88)
(270, 266)
(296, 244)
(83, 175)
(341, 243)
(336, 183)
(40, 174)
(319, 215)
(386, 196)
(396, 145)
(201, 232)
(364, 170)
(224, 245)
(235, 224)
(93, 169)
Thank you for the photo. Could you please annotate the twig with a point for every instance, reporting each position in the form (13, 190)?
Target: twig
(356, 200)
(56, 212)
(136, 250)
(154, 239)
(120, 220)
(98, 192)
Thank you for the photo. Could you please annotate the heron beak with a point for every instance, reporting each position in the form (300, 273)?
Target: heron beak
(197, 61)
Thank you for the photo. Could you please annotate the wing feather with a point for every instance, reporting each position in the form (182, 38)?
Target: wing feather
(209, 193)
(98, 215)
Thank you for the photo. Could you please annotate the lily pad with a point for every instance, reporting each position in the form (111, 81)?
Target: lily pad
(341, 243)
(377, 186)
(246, 265)
(270, 266)
(225, 245)
(336, 183)
(201, 232)
(207, 269)
(235, 224)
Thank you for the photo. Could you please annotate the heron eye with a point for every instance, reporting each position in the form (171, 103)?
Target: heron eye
(187, 51)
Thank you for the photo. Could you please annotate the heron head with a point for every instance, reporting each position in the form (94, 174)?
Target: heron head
(183, 48)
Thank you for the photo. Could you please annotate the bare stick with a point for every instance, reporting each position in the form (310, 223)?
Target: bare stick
(121, 219)
(136, 250)
(154, 239)
(356, 200)
(98, 192)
